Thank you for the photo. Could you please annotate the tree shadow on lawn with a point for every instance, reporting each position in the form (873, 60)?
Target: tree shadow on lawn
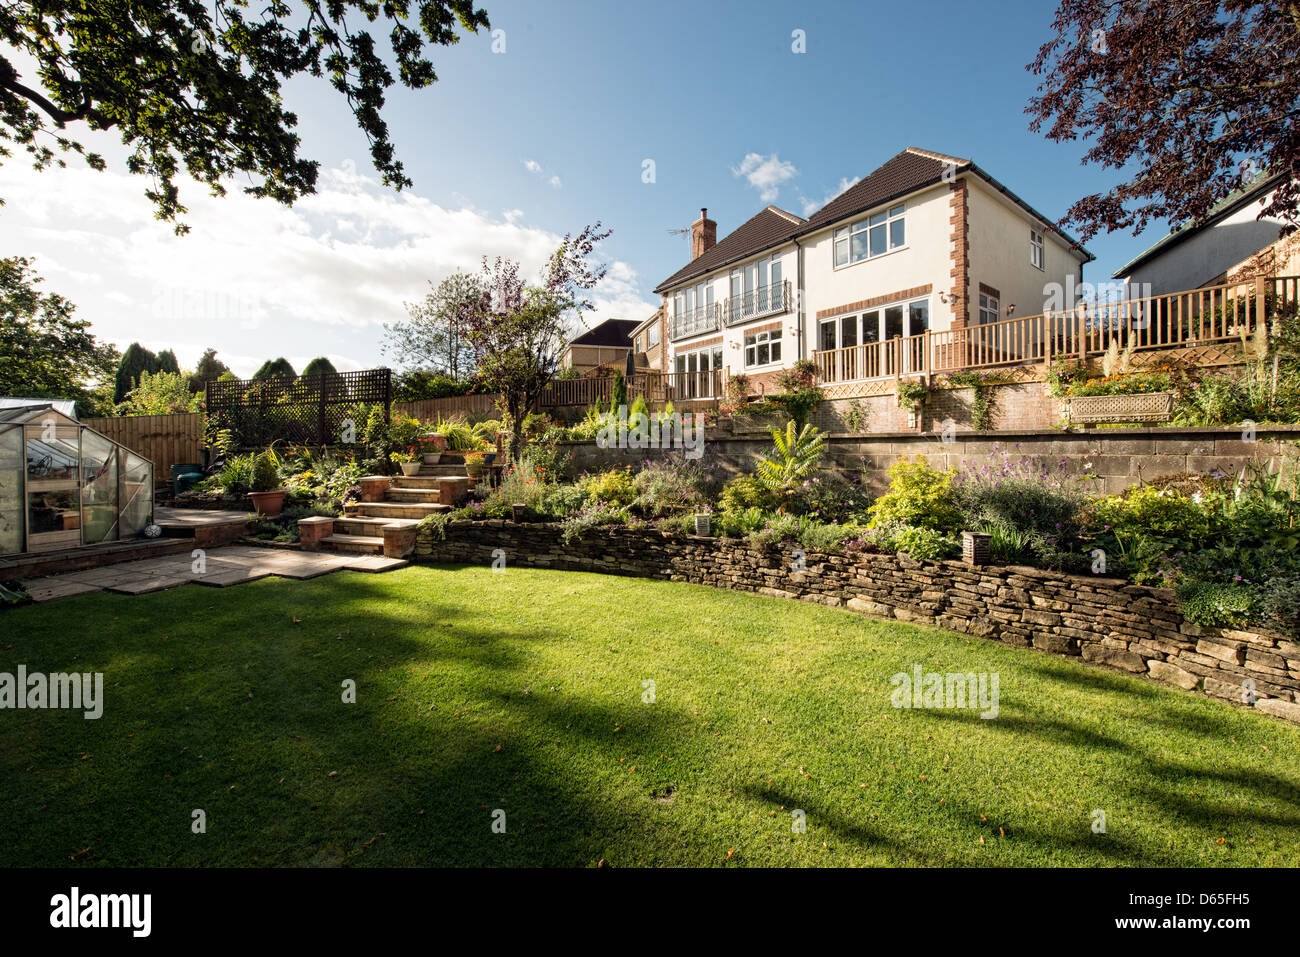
(250, 727)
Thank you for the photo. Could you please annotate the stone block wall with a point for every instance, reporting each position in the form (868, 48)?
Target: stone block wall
(1095, 620)
(1121, 457)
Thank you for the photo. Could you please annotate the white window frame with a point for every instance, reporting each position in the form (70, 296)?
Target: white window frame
(885, 218)
(989, 306)
(1037, 249)
(753, 340)
(652, 336)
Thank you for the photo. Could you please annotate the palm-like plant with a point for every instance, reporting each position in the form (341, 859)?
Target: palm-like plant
(794, 458)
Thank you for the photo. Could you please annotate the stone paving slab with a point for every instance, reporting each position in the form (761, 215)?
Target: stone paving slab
(224, 566)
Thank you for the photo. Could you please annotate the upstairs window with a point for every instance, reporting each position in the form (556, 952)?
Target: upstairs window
(873, 236)
(1035, 249)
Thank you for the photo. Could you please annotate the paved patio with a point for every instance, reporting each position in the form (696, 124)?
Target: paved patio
(227, 565)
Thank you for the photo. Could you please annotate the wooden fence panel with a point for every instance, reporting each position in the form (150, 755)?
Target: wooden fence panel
(477, 406)
(165, 440)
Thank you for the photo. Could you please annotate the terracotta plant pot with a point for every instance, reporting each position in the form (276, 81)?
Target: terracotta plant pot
(410, 468)
(438, 439)
(270, 503)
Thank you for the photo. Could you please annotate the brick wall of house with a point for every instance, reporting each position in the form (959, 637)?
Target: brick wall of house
(1095, 620)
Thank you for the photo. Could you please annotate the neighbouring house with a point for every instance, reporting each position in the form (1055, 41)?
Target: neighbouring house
(927, 243)
(1230, 244)
(605, 345)
(62, 484)
(649, 344)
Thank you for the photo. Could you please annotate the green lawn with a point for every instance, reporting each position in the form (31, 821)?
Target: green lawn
(523, 691)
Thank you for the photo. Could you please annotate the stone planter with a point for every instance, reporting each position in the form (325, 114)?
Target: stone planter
(1142, 407)
(703, 525)
(432, 458)
(410, 468)
(270, 503)
(517, 511)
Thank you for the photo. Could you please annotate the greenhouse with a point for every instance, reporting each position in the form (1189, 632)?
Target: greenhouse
(63, 485)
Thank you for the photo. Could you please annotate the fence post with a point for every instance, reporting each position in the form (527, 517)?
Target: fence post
(1261, 302)
(926, 363)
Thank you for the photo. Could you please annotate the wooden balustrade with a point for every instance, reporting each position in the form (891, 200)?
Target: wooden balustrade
(1225, 313)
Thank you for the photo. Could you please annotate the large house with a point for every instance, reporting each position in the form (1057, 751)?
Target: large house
(927, 243)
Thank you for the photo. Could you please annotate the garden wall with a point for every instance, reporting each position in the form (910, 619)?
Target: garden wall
(1121, 457)
(1100, 621)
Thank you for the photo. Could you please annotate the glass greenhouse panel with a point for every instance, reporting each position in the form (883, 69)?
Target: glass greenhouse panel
(11, 490)
(98, 488)
(135, 493)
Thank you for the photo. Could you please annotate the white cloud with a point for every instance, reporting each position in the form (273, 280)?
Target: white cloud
(555, 181)
(255, 279)
(532, 166)
(810, 206)
(765, 174)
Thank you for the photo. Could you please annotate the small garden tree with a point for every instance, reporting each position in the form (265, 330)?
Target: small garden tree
(45, 351)
(431, 336)
(517, 330)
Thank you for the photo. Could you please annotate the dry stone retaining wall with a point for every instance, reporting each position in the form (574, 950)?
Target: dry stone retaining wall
(1097, 620)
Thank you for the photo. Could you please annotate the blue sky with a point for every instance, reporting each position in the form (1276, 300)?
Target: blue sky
(509, 150)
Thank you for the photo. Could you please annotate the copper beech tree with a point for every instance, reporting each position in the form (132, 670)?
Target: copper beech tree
(517, 330)
(1189, 98)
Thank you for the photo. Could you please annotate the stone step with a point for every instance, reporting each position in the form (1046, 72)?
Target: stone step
(412, 495)
(448, 468)
(360, 525)
(397, 509)
(423, 481)
(354, 543)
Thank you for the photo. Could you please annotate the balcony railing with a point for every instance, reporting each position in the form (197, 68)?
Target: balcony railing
(692, 322)
(757, 303)
(1214, 315)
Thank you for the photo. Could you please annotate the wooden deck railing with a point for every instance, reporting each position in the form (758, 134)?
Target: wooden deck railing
(1230, 312)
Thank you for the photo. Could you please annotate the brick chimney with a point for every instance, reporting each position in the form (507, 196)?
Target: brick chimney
(704, 234)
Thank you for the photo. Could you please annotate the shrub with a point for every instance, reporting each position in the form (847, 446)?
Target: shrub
(921, 543)
(592, 515)
(793, 460)
(1157, 511)
(1282, 606)
(737, 524)
(265, 473)
(1037, 497)
(830, 497)
(670, 485)
(562, 500)
(613, 487)
(919, 496)
(743, 492)
(775, 530)
(1220, 604)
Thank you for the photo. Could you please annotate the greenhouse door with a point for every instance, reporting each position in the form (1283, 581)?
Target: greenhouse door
(53, 499)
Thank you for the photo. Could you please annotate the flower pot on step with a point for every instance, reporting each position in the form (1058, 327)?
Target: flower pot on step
(410, 468)
(432, 458)
(270, 503)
